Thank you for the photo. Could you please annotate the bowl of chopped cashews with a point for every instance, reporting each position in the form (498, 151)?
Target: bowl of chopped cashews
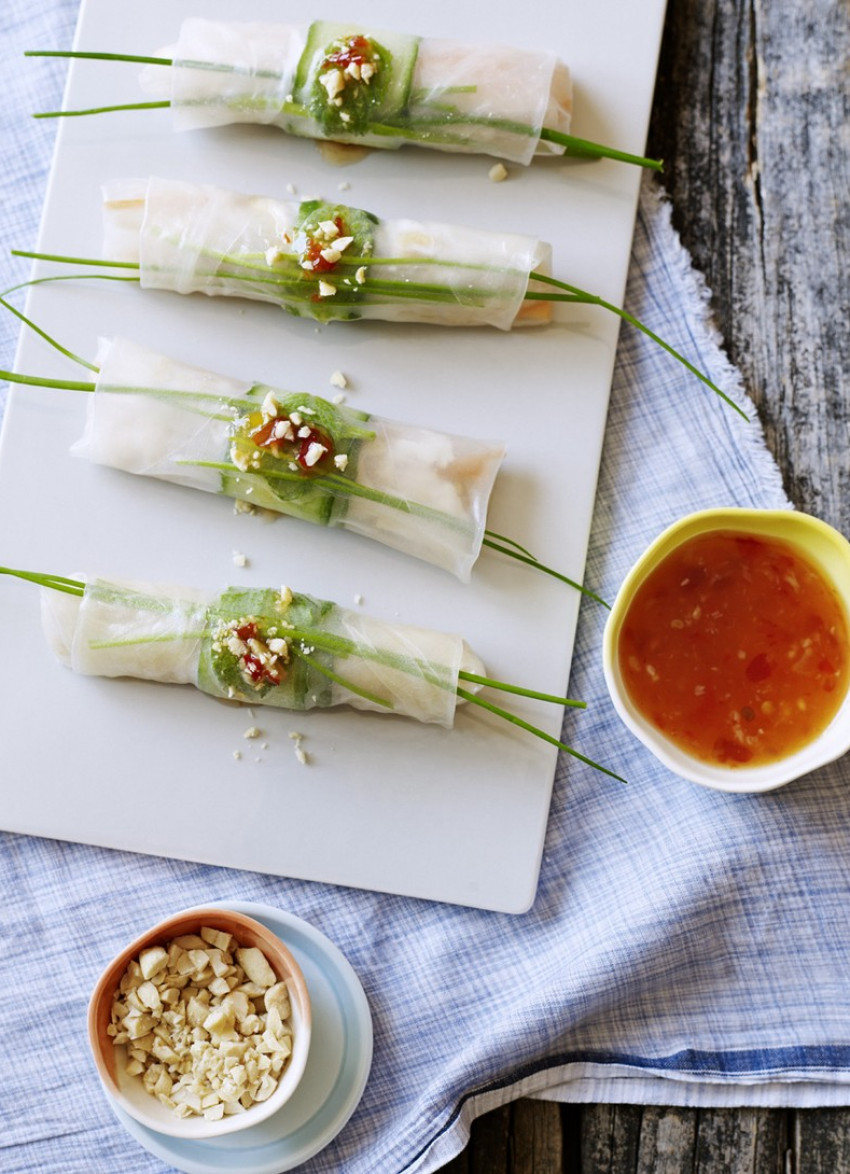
(201, 1026)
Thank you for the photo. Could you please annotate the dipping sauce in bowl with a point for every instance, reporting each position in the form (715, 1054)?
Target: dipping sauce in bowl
(728, 648)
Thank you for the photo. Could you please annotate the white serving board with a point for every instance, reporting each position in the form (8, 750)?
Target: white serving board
(456, 816)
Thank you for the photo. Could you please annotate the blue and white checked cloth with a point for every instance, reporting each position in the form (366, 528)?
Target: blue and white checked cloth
(686, 947)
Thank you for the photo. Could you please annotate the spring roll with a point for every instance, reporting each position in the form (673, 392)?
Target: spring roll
(353, 84)
(422, 492)
(261, 647)
(321, 260)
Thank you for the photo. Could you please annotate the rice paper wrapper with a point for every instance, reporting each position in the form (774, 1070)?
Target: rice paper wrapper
(447, 481)
(192, 238)
(487, 99)
(425, 688)
(425, 493)
(191, 232)
(175, 635)
(153, 416)
(127, 629)
(261, 59)
(501, 96)
(348, 658)
(486, 279)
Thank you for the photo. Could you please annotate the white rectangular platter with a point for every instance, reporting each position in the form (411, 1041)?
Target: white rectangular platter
(457, 816)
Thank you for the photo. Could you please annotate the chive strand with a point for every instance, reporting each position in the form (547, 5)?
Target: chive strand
(78, 54)
(101, 110)
(474, 699)
(594, 300)
(529, 560)
(334, 485)
(341, 681)
(63, 260)
(508, 542)
(593, 150)
(42, 381)
(43, 579)
(70, 277)
(488, 682)
(47, 338)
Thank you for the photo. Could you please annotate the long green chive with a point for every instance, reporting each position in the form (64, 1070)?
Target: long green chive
(506, 546)
(44, 579)
(338, 680)
(488, 682)
(62, 350)
(101, 110)
(508, 542)
(43, 381)
(78, 54)
(90, 261)
(584, 147)
(345, 647)
(573, 293)
(336, 483)
(393, 289)
(429, 128)
(518, 721)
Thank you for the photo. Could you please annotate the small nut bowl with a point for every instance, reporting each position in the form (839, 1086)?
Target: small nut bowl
(828, 551)
(129, 1093)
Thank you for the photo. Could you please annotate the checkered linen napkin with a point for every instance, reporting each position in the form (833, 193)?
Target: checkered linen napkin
(685, 946)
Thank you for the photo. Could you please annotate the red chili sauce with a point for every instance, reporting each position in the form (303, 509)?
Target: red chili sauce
(264, 437)
(313, 252)
(356, 50)
(736, 648)
(252, 665)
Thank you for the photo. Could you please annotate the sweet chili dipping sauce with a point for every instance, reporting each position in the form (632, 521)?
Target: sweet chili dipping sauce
(736, 648)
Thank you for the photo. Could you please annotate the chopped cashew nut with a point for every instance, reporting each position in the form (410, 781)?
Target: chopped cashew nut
(206, 1024)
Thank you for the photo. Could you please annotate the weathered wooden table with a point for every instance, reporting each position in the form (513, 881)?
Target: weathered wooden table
(751, 115)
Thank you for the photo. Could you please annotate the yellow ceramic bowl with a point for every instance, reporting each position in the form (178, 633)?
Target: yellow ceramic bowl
(826, 550)
(128, 1092)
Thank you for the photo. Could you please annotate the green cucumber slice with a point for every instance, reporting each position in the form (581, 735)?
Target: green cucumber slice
(359, 103)
(280, 483)
(219, 671)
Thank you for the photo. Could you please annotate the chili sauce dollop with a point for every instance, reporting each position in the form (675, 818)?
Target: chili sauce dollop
(736, 648)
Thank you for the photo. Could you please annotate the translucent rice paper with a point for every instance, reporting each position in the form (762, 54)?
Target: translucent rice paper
(421, 683)
(159, 633)
(193, 238)
(260, 62)
(154, 416)
(127, 629)
(425, 689)
(500, 96)
(452, 475)
(503, 97)
(488, 283)
(133, 424)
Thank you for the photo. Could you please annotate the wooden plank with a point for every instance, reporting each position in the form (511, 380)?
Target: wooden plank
(667, 1140)
(821, 1142)
(742, 1141)
(751, 114)
(758, 161)
(490, 1142)
(610, 1138)
(537, 1144)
